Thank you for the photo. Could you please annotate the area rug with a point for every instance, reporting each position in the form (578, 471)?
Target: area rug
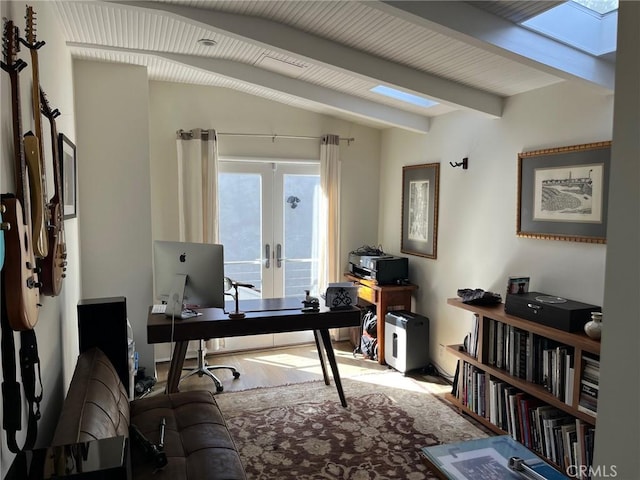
(302, 432)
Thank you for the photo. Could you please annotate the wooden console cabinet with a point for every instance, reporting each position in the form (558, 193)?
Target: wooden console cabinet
(385, 298)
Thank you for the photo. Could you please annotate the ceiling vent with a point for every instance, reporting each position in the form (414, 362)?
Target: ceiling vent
(290, 68)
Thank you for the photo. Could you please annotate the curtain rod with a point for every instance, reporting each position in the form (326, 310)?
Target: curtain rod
(273, 136)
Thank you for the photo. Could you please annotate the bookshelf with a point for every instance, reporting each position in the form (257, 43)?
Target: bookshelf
(524, 383)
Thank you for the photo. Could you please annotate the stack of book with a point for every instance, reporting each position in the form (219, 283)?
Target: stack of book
(543, 428)
(589, 385)
(473, 394)
(532, 358)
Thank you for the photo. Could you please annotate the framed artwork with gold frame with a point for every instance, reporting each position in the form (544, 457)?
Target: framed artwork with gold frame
(562, 193)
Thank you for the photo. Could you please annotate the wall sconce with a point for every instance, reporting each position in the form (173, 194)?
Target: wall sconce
(464, 163)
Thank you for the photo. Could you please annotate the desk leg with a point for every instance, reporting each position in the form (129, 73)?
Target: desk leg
(175, 369)
(325, 374)
(326, 339)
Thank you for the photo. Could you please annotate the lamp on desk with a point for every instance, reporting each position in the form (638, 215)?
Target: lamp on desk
(228, 284)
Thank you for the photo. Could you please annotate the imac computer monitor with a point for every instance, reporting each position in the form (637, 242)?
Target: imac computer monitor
(188, 275)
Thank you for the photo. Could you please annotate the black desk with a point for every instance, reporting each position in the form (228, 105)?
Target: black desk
(275, 315)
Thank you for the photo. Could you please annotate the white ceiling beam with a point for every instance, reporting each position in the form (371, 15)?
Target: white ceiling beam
(387, 115)
(497, 35)
(294, 42)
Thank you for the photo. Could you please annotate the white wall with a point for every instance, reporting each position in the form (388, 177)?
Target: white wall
(618, 429)
(175, 106)
(477, 243)
(56, 329)
(112, 110)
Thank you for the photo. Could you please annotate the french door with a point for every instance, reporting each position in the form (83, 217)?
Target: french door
(268, 226)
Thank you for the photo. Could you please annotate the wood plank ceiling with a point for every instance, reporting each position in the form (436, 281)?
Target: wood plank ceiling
(325, 56)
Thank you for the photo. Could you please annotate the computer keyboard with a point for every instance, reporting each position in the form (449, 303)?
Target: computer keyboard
(188, 313)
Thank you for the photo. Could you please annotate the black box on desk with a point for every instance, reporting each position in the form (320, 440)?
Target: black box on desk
(549, 310)
(406, 340)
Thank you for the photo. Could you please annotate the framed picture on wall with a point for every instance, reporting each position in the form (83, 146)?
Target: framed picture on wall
(562, 193)
(67, 152)
(420, 186)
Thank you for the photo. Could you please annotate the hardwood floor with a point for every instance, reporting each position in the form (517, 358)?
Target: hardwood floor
(273, 367)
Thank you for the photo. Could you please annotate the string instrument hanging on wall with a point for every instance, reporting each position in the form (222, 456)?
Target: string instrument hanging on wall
(34, 150)
(54, 265)
(20, 277)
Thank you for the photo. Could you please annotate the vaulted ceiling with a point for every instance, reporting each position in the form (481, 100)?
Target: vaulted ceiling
(326, 56)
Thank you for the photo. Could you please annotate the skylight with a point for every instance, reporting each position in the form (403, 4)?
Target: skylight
(404, 96)
(599, 6)
(588, 25)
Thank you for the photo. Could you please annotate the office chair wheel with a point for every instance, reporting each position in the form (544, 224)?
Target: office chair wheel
(219, 388)
(236, 374)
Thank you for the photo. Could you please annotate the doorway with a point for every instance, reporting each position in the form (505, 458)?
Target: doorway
(268, 226)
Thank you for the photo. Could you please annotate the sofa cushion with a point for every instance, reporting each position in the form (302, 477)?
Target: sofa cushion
(96, 405)
(197, 442)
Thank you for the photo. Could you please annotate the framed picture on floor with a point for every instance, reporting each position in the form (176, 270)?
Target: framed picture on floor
(420, 186)
(67, 152)
(562, 193)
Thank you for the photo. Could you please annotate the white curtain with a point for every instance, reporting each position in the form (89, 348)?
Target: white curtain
(198, 186)
(330, 266)
(198, 210)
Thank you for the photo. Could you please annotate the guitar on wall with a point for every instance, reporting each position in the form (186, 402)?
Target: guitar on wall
(20, 278)
(54, 265)
(33, 149)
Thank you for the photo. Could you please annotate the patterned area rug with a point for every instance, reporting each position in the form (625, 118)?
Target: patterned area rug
(302, 432)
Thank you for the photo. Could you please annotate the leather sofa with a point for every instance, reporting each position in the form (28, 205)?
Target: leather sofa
(197, 442)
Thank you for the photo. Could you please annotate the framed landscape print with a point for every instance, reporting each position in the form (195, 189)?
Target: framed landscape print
(562, 193)
(420, 185)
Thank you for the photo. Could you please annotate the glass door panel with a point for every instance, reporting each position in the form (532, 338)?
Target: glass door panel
(301, 194)
(244, 194)
(268, 213)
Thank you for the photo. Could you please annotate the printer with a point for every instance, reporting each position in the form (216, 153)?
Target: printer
(384, 269)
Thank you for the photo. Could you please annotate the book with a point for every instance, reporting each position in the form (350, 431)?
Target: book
(485, 459)
(569, 437)
(550, 427)
(493, 401)
(527, 406)
(588, 401)
(581, 454)
(509, 392)
(500, 345)
(546, 414)
(472, 342)
(569, 377)
(492, 342)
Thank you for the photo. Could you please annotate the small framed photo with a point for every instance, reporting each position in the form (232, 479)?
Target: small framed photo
(420, 188)
(67, 152)
(518, 284)
(562, 193)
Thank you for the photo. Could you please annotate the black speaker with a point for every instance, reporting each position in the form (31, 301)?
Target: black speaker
(102, 323)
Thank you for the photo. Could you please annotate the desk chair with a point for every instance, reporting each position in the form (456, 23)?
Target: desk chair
(203, 369)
